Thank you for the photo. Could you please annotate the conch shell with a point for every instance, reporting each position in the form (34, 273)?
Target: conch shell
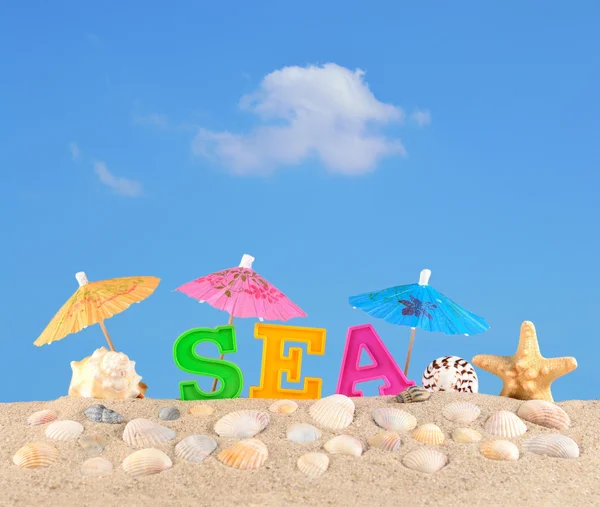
(106, 375)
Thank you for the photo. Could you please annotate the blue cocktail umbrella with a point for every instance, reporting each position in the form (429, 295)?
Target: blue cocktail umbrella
(419, 305)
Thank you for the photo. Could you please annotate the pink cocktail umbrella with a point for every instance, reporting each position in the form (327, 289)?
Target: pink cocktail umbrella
(242, 292)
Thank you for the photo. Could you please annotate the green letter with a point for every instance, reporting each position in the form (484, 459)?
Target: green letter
(229, 374)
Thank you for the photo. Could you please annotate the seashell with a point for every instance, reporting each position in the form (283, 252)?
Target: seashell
(35, 455)
(284, 407)
(242, 424)
(249, 454)
(553, 445)
(101, 414)
(334, 412)
(169, 413)
(313, 464)
(344, 444)
(505, 424)
(195, 448)
(466, 435)
(386, 441)
(302, 433)
(450, 373)
(461, 412)
(413, 394)
(425, 460)
(93, 443)
(429, 434)
(96, 466)
(144, 433)
(146, 462)
(500, 450)
(64, 430)
(42, 417)
(202, 410)
(393, 419)
(106, 375)
(544, 413)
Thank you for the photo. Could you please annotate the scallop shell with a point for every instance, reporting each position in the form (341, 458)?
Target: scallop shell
(64, 430)
(466, 435)
(461, 412)
(146, 462)
(499, 450)
(450, 373)
(195, 448)
(344, 444)
(413, 394)
(93, 443)
(334, 412)
(144, 433)
(553, 445)
(425, 460)
(393, 419)
(249, 454)
(313, 464)
(101, 414)
(429, 434)
(386, 441)
(302, 433)
(169, 413)
(96, 466)
(505, 424)
(284, 407)
(35, 455)
(42, 417)
(544, 413)
(202, 410)
(242, 424)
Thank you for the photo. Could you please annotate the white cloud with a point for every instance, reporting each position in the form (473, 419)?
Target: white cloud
(327, 112)
(154, 119)
(422, 118)
(75, 152)
(123, 186)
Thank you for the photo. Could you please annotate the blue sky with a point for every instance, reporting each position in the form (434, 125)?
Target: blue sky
(149, 139)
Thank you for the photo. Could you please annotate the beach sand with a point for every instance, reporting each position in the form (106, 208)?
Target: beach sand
(376, 478)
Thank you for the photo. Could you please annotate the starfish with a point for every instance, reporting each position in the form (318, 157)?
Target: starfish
(527, 375)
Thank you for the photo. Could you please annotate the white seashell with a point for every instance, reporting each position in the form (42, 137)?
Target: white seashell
(284, 407)
(544, 413)
(202, 410)
(195, 448)
(313, 464)
(393, 419)
(248, 454)
(553, 445)
(93, 443)
(96, 466)
(242, 424)
(35, 455)
(505, 424)
(466, 435)
(64, 430)
(500, 450)
(386, 441)
(144, 433)
(302, 433)
(429, 434)
(334, 412)
(146, 462)
(461, 412)
(450, 373)
(344, 444)
(42, 417)
(425, 460)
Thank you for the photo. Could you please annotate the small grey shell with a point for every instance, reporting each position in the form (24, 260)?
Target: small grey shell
(101, 414)
(413, 394)
(169, 413)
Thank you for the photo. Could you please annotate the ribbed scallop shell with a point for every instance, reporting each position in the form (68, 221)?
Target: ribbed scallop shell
(302, 433)
(169, 413)
(35, 455)
(202, 410)
(334, 412)
(553, 445)
(429, 434)
(413, 394)
(248, 454)
(544, 413)
(425, 460)
(386, 441)
(42, 417)
(242, 424)
(505, 424)
(93, 443)
(344, 444)
(64, 430)
(313, 464)
(466, 435)
(461, 412)
(146, 462)
(101, 414)
(195, 448)
(284, 407)
(145, 433)
(393, 419)
(500, 450)
(96, 466)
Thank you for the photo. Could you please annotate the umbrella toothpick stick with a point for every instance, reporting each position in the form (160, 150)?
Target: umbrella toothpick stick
(103, 327)
(410, 346)
(214, 387)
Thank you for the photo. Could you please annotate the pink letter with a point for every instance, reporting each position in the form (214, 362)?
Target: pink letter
(383, 367)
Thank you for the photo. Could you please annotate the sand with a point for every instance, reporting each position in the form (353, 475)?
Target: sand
(376, 478)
